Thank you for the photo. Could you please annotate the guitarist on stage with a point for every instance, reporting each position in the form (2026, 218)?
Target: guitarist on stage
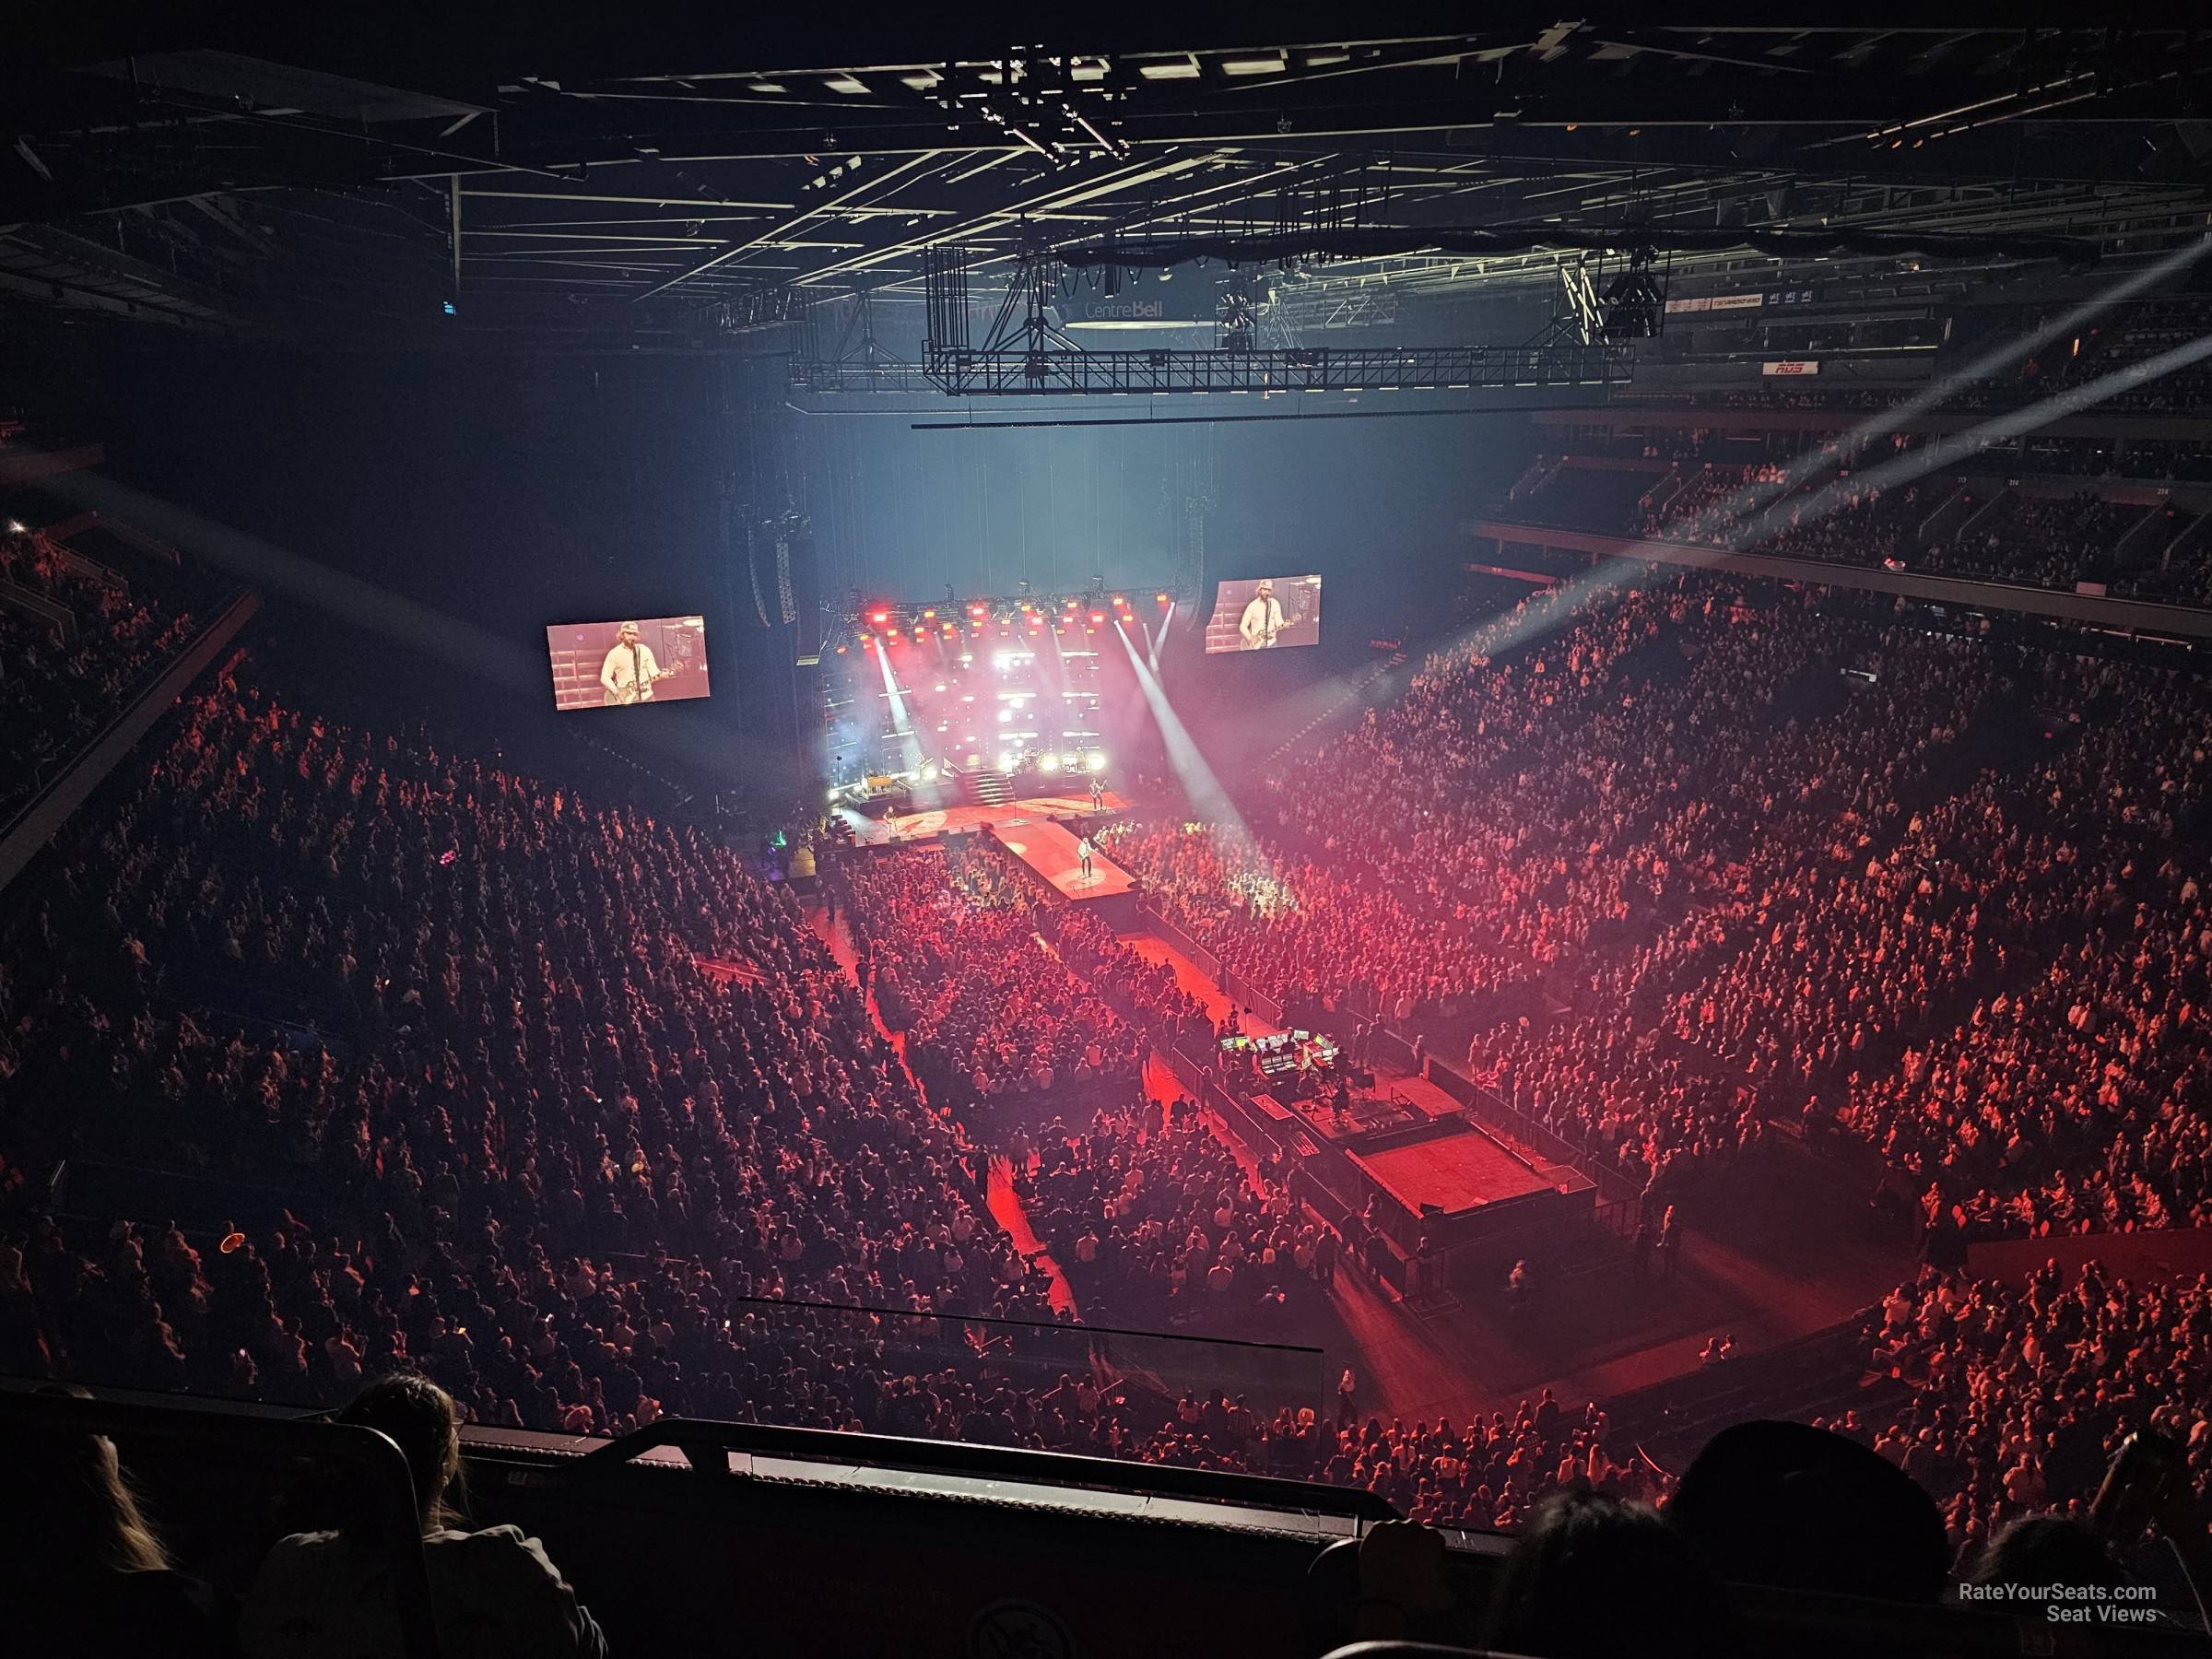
(630, 672)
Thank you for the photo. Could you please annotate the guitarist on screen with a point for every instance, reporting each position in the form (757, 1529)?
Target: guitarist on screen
(1262, 619)
(630, 671)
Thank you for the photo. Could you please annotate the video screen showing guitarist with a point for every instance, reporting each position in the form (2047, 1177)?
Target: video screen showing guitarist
(615, 665)
(1261, 615)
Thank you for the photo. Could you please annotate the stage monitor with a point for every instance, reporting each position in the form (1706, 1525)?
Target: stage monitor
(614, 665)
(1259, 615)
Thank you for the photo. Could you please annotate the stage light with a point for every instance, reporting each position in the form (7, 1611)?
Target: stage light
(833, 795)
(1048, 763)
(1161, 598)
(929, 772)
(1120, 599)
(1096, 763)
(14, 527)
(1006, 763)
(1098, 616)
(879, 617)
(978, 610)
(929, 616)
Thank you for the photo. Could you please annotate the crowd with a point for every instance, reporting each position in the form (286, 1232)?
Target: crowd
(947, 936)
(1881, 883)
(550, 1162)
(1784, 858)
(2019, 1396)
(56, 692)
(2043, 541)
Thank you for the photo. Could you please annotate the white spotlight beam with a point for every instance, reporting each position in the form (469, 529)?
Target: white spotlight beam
(1197, 777)
(899, 723)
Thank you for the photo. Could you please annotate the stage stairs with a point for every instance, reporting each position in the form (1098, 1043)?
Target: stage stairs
(987, 788)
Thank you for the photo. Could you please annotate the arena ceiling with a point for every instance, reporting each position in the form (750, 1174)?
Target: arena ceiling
(656, 195)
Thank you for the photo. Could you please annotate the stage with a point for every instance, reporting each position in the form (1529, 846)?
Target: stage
(1457, 1173)
(1049, 849)
(903, 827)
(1031, 830)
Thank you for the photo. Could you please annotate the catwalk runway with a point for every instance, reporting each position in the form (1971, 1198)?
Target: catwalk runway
(1050, 850)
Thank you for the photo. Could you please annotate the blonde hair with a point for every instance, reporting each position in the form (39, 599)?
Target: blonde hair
(64, 1497)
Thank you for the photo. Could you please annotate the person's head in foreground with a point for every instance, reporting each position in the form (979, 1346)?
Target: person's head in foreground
(1595, 1578)
(2039, 1556)
(1785, 1504)
(422, 1421)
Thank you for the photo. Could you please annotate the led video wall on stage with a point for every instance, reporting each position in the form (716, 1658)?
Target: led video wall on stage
(613, 664)
(1259, 615)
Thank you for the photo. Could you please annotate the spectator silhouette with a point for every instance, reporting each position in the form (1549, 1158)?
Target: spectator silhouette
(1595, 1578)
(494, 1592)
(1805, 1509)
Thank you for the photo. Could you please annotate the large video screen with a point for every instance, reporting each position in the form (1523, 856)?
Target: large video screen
(1262, 615)
(615, 664)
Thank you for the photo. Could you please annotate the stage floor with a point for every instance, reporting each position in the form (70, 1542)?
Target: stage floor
(1457, 1173)
(1050, 850)
(926, 826)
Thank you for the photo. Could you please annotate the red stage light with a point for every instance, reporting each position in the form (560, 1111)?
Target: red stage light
(879, 617)
(1098, 616)
(976, 610)
(1161, 598)
(1120, 599)
(929, 616)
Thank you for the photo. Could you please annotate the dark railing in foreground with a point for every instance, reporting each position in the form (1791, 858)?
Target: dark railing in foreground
(707, 1447)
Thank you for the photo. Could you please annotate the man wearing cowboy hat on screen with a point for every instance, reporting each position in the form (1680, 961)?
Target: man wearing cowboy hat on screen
(1262, 619)
(628, 674)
